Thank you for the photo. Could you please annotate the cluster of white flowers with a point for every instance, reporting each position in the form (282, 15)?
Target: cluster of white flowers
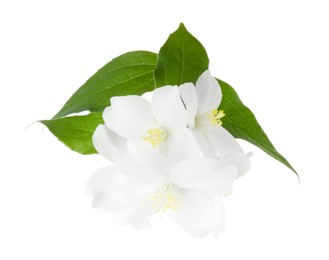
(170, 155)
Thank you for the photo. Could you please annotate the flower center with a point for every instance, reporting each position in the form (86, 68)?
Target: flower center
(155, 136)
(165, 198)
(212, 118)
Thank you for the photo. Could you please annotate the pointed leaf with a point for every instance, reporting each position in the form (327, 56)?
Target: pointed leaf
(76, 131)
(181, 59)
(241, 123)
(128, 74)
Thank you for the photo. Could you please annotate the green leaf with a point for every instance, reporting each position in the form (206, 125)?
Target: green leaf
(181, 59)
(76, 131)
(241, 123)
(128, 74)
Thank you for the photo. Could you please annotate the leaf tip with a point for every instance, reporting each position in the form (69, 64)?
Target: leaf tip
(182, 26)
(296, 173)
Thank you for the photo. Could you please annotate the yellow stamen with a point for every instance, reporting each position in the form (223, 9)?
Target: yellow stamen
(215, 115)
(212, 118)
(165, 198)
(228, 193)
(155, 136)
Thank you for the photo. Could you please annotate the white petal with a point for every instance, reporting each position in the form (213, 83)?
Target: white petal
(168, 108)
(181, 145)
(228, 149)
(107, 142)
(206, 148)
(136, 216)
(129, 116)
(207, 176)
(190, 100)
(102, 184)
(129, 194)
(219, 216)
(208, 92)
(198, 215)
(147, 95)
(223, 141)
(141, 164)
(129, 204)
(240, 160)
(125, 198)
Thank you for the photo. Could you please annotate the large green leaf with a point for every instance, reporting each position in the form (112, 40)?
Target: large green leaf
(241, 123)
(181, 59)
(128, 74)
(76, 131)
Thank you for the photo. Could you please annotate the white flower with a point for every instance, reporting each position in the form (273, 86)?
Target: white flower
(157, 125)
(170, 155)
(204, 119)
(143, 183)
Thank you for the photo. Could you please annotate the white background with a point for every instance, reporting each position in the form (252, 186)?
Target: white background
(275, 54)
